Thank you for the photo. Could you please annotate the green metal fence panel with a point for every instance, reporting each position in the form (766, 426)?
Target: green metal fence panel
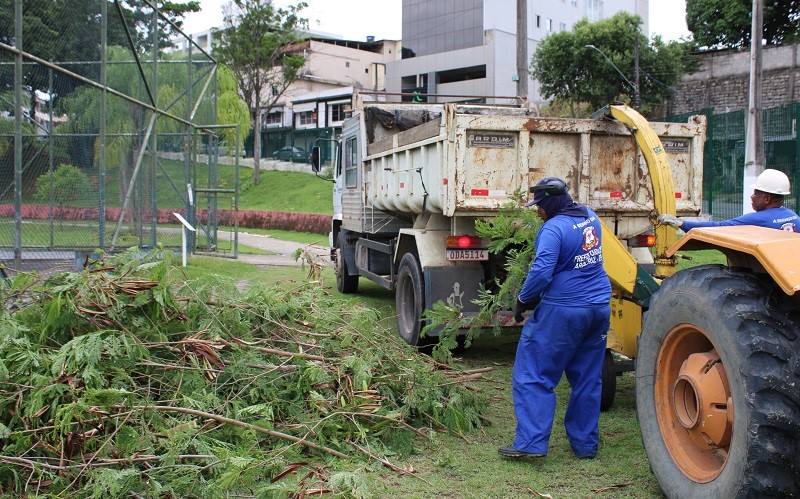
(724, 154)
(274, 139)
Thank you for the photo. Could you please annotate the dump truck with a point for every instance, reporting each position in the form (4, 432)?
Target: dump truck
(410, 181)
(717, 360)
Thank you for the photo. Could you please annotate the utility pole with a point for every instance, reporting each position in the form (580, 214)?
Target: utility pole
(636, 91)
(754, 138)
(522, 49)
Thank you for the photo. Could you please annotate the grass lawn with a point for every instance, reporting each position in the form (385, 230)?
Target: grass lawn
(277, 191)
(468, 466)
(286, 191)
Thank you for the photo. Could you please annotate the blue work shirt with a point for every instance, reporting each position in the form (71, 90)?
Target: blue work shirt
(568, 267)
(775, 218)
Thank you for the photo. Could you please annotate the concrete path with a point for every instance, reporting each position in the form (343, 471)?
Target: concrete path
(283, 251)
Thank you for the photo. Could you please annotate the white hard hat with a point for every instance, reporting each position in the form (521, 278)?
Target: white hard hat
(772, 182)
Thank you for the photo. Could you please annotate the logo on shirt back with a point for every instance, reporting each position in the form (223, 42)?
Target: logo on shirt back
(590, 239)
(788, 227)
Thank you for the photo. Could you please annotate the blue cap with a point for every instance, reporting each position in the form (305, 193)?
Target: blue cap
(547, 187)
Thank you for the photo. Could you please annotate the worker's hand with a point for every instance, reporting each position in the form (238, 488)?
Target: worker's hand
(521, 308)
(667, 219)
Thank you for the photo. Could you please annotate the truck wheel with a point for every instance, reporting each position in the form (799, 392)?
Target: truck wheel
(609, 390)
(345, 283)
(718, 386)
(410, 299)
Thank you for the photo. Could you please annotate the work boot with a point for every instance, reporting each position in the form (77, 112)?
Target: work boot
(513, 453)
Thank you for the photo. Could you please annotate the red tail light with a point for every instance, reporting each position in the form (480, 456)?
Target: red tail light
(642, 241)
(464, 242)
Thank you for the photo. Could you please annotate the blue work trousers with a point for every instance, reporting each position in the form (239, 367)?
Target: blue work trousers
(557, 340)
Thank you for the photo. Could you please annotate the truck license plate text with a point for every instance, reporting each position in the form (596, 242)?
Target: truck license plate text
(467, 254)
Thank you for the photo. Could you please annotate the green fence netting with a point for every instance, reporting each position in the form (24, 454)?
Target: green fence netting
(106, 131)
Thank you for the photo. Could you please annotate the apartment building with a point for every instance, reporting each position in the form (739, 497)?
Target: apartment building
(202, 39)
(334, 69)
(315, 105)
(469, 47)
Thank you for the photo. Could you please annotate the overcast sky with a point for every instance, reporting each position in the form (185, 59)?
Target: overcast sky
(382, 18)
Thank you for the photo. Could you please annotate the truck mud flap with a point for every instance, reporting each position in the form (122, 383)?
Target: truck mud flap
(457, 286)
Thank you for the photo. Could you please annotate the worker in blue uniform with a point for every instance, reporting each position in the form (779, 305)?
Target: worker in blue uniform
(767, 201)
(566, 332)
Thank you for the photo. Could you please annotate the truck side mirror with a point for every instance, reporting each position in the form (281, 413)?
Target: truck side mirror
(316, 159)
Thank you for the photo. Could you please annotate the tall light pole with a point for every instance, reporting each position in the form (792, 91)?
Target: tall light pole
(754, 135)
(522, 49)
(635, 88)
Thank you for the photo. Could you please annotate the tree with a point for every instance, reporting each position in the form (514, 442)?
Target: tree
(572, 73)
(727, 23)
(256, 43)
(66, 184)
(66, 31)
(126, 122)
(231, 109)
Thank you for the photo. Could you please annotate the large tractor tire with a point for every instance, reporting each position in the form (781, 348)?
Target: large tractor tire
(410, 300)
(609, 389)
(345, 283)
(718, 386)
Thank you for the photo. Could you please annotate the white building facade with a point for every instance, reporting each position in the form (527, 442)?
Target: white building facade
(469, 47)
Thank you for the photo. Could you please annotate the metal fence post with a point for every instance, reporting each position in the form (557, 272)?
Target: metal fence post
(101, 203)
(50, 162)
(707, 160)
(151, 185)
(18, 135)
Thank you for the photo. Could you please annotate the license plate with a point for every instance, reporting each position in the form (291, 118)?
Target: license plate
(467, 254)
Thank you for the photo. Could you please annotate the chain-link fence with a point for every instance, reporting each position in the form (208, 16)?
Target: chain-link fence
(106, 132)
(723, 167)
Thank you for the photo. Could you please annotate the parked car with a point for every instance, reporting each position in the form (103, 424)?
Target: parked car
(293, 154)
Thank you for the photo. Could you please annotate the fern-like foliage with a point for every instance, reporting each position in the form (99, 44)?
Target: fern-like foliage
(124, 380)
(512, 234)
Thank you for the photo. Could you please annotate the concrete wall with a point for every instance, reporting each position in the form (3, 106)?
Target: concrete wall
(722, 81)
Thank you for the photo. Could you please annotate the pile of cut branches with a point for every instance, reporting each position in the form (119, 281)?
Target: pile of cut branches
(124, 380)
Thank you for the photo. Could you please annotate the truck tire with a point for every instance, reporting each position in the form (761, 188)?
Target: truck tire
(718, 386)
(345, 283)
(609, 375)
(410, 299)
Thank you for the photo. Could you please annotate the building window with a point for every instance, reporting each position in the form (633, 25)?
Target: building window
(350, 163)
(538, 21)
(271, 119)
(549, 25)
(347, 64)
(305, 118)
(594, 9)
(574, 3)
(562, 26)
(462, 74)
(336, 113)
